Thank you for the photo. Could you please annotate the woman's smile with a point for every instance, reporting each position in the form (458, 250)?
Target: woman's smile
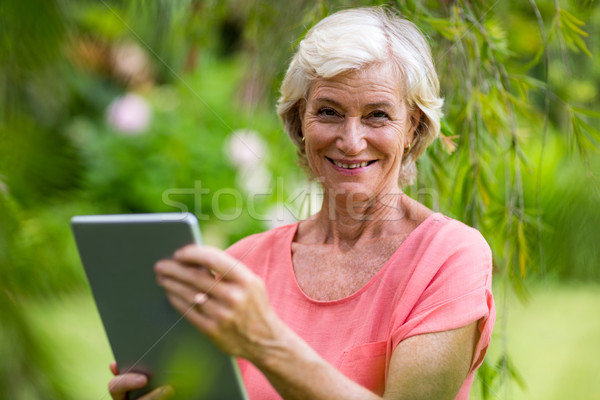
(351, 167)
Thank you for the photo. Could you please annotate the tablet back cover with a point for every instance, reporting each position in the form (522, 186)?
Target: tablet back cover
(146, 334)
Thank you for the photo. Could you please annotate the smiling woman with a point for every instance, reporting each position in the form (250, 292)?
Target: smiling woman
(356, 128)
(394, 45)
(375, 296)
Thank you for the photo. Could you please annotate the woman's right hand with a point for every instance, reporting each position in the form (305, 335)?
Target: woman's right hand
(121, 384)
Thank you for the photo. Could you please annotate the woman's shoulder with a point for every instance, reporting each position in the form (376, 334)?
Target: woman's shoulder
(449, 230)
(434, 225)
(442, 239)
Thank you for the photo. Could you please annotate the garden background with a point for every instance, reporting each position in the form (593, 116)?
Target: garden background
(150, 106)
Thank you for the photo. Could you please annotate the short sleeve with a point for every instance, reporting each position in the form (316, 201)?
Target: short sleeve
(456, 291)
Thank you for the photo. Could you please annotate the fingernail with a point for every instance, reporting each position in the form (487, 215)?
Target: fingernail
(159, 266)
(140, 380)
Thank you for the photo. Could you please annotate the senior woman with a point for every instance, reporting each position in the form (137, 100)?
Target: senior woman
(375, 295)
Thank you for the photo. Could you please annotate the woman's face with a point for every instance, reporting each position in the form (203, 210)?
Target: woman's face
(356, 126)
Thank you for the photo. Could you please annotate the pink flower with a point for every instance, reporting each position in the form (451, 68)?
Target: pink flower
(129, 114)
(131, 63)
(245, 148)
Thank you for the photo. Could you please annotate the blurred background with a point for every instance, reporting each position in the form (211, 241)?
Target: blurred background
(157, 106)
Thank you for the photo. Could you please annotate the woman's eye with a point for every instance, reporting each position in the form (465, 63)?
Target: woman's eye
(379, 115)
(327, 112)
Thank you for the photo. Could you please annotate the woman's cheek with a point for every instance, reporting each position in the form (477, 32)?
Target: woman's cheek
(312, 160)
(315, 138)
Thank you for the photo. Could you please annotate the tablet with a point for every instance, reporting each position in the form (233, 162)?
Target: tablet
(146, 334)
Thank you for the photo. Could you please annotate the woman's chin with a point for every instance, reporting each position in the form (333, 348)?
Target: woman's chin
(352, 192)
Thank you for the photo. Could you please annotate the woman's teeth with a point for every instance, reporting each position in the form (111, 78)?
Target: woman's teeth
(351, 166)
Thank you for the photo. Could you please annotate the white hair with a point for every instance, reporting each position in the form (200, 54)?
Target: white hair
(355, 39)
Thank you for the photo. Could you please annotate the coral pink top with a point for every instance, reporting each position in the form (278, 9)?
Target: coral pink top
(438, 279)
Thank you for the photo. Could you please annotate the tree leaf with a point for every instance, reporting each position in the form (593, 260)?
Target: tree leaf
(585, 111)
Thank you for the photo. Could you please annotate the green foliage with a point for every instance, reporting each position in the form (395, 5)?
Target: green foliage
(491, 376)
(569, 29)
(24, 371)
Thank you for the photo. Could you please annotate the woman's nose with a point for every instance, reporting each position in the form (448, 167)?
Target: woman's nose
(351, 140)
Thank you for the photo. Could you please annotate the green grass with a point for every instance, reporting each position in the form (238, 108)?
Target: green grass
(70, 328)
(554, 341)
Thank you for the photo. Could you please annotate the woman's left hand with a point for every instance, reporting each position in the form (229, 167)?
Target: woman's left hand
(223, 299)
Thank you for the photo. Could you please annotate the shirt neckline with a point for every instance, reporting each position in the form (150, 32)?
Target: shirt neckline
(436, 216)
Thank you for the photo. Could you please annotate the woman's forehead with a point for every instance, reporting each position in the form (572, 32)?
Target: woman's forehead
(376, 84)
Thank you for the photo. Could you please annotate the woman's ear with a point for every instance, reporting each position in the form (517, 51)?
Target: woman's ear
(415, 119)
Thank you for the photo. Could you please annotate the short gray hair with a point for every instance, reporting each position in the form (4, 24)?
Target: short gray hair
(355, 39)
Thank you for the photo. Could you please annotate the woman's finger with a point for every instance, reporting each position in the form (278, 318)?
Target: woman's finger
(216, 260)
(177, 288)
(197, 303)
(121, 384)
(200, 279)
(218, 301)
(200, 318)
(161, 393)
(190, 296)
(113, 368)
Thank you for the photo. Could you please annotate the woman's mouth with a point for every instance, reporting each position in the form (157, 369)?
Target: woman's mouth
(350, 164)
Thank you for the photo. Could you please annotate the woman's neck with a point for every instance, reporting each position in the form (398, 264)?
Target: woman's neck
(344, 219)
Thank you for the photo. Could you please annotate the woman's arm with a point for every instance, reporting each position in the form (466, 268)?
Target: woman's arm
(432, 365)
(429, 366)
(234, 311)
